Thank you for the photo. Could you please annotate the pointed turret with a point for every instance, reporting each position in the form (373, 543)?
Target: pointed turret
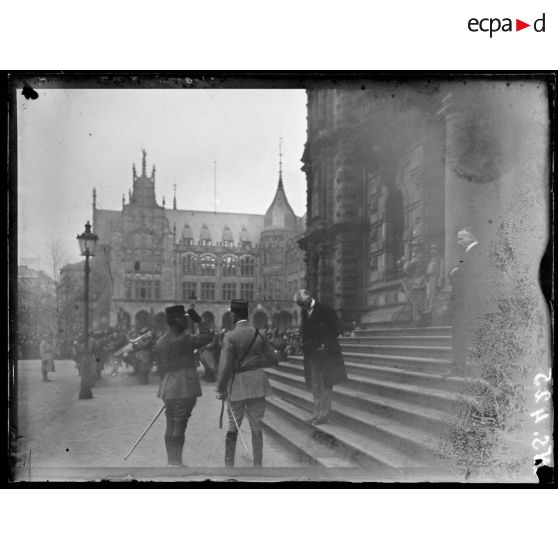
(143, 161)
(143, 192)
(174, 198)
(280, 214)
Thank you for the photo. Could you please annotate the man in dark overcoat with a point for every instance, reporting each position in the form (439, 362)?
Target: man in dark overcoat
(465, 298)
(180, 384)
(323, 361)
(242, 382)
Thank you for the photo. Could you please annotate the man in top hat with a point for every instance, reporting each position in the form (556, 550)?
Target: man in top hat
(180, 384)
(323, 361)
(242, 381)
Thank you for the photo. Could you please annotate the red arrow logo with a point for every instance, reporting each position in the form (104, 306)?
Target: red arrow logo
(519, 25)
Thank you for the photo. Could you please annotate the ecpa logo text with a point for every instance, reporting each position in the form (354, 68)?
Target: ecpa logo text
(494, 24)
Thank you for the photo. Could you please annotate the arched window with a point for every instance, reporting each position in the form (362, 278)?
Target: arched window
(208, 263)
(247, 266)
(189, 264)
(228, 264)
(205, 236)
(227, 237)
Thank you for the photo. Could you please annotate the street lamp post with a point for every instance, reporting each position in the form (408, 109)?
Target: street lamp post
(87, 244)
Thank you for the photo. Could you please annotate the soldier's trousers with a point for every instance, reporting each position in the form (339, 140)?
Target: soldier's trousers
(254, 409)
(177, 411)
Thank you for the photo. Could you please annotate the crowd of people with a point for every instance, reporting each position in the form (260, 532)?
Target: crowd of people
(114, 349)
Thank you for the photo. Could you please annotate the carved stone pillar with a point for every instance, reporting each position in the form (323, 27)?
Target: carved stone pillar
(348, 237)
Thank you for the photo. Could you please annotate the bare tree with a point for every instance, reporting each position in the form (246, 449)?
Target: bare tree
(56, 259)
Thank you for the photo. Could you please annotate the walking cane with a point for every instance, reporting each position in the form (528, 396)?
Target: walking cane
(145, 432)
(237, 427)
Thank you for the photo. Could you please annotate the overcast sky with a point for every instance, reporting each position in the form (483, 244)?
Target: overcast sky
(70, 141)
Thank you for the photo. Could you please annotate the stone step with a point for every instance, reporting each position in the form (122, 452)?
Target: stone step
(445, 401)
(287, 425)
(389, 407)
(415, 363)
(418, 445)
(423, 340)
(359, 449)
(403, 331)
(356, 371)
(399, 350)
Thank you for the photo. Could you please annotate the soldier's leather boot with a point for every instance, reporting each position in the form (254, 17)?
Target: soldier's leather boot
(179, 446)
(230, 448)
(169, 445)
(257, 448)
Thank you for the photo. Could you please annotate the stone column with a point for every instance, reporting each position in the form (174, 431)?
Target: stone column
(457, 214)
(349, 231)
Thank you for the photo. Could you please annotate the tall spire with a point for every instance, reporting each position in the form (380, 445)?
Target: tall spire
(94, 198)
(123, 200)
(280, 162)
(174, 198)
(143, 161)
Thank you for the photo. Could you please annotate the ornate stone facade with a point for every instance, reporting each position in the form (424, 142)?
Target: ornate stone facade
(389, 165)
(156, 257)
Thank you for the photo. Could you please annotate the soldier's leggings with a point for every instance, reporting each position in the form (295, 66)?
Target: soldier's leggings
(178, 412)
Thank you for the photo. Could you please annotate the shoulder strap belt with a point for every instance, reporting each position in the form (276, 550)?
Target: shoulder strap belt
(239, 363)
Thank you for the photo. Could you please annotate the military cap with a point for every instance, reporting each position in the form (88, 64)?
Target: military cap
(239, 305)
(174, 311)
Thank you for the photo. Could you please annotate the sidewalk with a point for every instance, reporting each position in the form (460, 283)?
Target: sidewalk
(61, 431)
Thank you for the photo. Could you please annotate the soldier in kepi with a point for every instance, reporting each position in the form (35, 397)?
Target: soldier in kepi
(180, 384)
(242, 382)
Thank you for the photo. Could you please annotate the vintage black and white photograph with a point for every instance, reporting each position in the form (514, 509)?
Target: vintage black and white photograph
(281, 277)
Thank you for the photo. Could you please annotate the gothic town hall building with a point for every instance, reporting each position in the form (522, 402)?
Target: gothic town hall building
(156, 257)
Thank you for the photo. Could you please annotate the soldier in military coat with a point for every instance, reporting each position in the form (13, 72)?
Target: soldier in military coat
(180, 384)
(242, 380)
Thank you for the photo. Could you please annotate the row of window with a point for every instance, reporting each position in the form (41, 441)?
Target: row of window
(246, 244)
(142, 289)
(207, 265)
(205, 237)
(144, 266)
(208, 292)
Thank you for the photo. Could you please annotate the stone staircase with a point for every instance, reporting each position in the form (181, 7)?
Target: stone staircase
(391, 413)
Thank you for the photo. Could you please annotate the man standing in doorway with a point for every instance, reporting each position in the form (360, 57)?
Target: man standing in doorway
(464, 298)
(323, 361)
(242, 382)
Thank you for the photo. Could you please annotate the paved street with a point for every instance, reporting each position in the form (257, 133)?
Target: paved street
(58, 430)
